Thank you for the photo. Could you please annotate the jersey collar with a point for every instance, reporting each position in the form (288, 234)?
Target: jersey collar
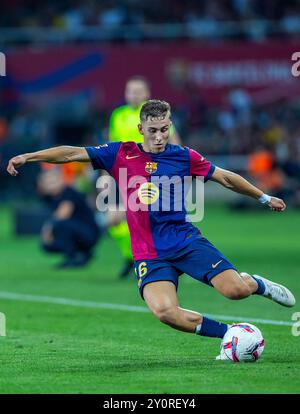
(153, 154)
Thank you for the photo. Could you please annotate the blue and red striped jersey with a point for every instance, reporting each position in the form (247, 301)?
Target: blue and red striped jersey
(155, 212)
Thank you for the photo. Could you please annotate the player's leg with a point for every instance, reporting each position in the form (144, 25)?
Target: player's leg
(206, 263)
(231, 285)
(234, 285)
(161, 298)
(274, 291)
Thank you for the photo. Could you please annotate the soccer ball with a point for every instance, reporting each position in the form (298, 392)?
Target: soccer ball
(242, 342)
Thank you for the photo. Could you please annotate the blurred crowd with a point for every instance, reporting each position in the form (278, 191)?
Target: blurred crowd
(197, 15)
(260, 142)
(264, 140)
(257, 135)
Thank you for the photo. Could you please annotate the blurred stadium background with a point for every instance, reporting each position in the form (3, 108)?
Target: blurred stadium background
(225, 67)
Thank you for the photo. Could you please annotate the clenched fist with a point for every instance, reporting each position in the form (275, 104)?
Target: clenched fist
(276, 204)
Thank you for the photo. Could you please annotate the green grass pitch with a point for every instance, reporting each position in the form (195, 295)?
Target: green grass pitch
(56, 348)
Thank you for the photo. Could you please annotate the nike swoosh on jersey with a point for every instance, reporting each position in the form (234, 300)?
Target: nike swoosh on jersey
(128, 157)
(216, 264)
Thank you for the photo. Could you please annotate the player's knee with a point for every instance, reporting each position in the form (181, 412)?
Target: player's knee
(238, 291)
(165, 313)
(245, 275)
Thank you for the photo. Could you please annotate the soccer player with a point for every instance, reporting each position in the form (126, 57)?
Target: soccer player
(164, 243)
(123, 123)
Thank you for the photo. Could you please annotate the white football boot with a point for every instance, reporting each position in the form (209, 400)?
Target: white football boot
(278, 293)
(222, 356)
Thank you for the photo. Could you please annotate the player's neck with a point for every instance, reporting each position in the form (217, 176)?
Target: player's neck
(147, 148)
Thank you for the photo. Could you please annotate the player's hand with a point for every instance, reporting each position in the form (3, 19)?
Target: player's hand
(15, 163)
(276, 204)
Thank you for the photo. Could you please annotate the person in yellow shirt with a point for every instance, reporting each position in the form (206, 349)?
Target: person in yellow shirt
(123, 126)
(125, 119)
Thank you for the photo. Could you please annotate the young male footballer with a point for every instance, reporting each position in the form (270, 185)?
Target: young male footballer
(164, 243)
(123, 123)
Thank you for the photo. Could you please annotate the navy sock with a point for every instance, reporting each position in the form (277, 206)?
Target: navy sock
(211, 328)
(261, 286)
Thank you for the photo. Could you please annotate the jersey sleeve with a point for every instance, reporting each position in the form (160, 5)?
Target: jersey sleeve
(200, 166)
(103, 156)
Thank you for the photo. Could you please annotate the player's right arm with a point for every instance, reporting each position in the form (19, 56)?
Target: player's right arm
(55, 155)
(239, 184)
(199, 166)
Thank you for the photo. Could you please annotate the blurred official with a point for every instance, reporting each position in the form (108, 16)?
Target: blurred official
(71, 228)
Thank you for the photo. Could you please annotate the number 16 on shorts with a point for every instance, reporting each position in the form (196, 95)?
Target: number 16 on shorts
(141, 271)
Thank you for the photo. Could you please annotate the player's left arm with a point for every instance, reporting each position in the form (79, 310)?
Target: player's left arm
(240, 185)
(55, 155)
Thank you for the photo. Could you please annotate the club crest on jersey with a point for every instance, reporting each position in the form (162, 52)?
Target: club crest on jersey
(151, 167)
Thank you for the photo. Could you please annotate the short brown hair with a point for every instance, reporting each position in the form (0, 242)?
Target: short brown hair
(154, 108)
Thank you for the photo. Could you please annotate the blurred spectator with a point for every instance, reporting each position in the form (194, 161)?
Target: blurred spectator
(112, 15)
(3, 129)
(72, 19)
(202, 18)
(240, 103)
(290, 22)
(266, 175)
(71, 229)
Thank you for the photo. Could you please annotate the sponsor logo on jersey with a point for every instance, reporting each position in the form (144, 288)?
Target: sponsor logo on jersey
(148, 193)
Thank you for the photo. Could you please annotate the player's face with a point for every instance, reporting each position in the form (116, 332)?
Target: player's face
(156, 132)
(136, 92)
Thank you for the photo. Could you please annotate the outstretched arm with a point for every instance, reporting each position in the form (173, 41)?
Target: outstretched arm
(56, 155)
(240, 185)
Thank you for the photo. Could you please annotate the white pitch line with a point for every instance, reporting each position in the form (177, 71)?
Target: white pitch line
(115, 306)
(70, 302)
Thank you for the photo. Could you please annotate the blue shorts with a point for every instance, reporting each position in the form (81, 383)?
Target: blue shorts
(200, 260)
